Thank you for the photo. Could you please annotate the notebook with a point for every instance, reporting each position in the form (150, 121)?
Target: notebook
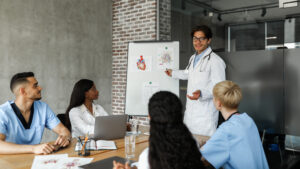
(104, 164)
(97, 145)
(110, 127)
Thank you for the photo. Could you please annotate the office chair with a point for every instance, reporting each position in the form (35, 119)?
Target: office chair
(62, 118)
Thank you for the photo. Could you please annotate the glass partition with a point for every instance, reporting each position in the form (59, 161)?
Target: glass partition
(257, 40)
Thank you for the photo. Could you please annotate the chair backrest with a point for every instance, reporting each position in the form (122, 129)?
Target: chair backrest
(62, 118)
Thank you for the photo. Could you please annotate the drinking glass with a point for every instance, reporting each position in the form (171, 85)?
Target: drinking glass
(130, 146)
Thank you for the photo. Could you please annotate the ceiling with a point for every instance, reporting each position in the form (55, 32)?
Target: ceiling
(231, 11)
(232, 4)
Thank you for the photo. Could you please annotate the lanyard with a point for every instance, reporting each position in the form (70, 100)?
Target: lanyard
(232, 115)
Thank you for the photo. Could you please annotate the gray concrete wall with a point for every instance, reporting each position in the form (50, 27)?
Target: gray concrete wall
(61, 41)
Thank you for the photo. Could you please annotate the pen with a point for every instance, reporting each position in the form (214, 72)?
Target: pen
(137, 129)
(85, 140)
(79, 140)
(167, 72)
(128, 119)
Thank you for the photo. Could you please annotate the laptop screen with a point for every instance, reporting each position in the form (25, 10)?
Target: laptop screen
(110, 127)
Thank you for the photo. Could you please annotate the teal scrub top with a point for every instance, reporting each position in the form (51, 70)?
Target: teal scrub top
(13, 129)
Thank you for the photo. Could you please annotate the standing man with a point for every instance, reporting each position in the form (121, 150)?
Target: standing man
(22, 121)
(204, 70)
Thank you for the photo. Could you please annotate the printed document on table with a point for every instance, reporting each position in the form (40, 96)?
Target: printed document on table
(61, 161)
(73, 163)
(48, 161)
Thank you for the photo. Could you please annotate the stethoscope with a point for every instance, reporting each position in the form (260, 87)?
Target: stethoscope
(201, 61)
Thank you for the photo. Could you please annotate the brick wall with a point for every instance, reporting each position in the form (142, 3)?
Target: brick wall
(165, 19)
(133, 20)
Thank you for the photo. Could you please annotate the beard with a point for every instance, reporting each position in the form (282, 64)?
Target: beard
(38, 98)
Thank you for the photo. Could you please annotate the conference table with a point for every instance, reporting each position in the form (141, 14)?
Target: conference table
(24, 161)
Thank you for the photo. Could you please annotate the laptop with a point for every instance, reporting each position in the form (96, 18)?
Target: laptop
(110, 127)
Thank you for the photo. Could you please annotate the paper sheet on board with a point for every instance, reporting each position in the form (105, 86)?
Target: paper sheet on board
(141, 63)
(165, 58)
(148, 89)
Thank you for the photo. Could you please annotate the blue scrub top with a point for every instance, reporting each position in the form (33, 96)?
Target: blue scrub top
(236, 144)
(13, 129)
(198, 57)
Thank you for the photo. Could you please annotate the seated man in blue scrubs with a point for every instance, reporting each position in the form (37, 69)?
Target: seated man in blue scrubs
(236, 143)
(22, 121)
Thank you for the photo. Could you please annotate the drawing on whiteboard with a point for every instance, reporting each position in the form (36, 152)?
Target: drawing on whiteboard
(141, 63)
(165, 58)
(148, 89)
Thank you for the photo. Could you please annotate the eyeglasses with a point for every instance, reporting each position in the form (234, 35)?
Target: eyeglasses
(199, 39)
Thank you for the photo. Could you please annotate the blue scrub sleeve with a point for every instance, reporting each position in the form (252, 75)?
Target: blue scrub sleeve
(216, 149)
(52, 121)
(3, 129)
(3, 119)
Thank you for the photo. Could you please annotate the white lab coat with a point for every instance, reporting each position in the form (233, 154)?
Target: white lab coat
(201, 116)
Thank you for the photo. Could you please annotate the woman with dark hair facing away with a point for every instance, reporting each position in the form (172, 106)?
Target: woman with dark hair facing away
(81, 112)
(171, 144)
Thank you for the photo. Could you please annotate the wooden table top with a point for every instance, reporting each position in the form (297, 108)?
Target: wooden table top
(24, 161)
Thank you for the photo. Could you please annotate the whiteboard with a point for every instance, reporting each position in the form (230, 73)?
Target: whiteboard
(147, 62)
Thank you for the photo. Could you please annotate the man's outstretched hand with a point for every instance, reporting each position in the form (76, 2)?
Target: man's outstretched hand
(196, 95)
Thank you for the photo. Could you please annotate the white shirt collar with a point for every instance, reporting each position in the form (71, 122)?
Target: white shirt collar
(84, 108)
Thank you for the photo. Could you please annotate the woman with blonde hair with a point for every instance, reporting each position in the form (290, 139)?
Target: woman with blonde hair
(236, 143)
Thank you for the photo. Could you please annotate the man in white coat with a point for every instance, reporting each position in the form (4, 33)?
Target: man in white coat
(204, 70)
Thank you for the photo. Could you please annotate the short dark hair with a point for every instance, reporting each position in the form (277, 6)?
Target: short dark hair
(203, 28)
(19, 78)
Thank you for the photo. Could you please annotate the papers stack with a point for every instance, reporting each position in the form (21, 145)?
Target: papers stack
(61, 161)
